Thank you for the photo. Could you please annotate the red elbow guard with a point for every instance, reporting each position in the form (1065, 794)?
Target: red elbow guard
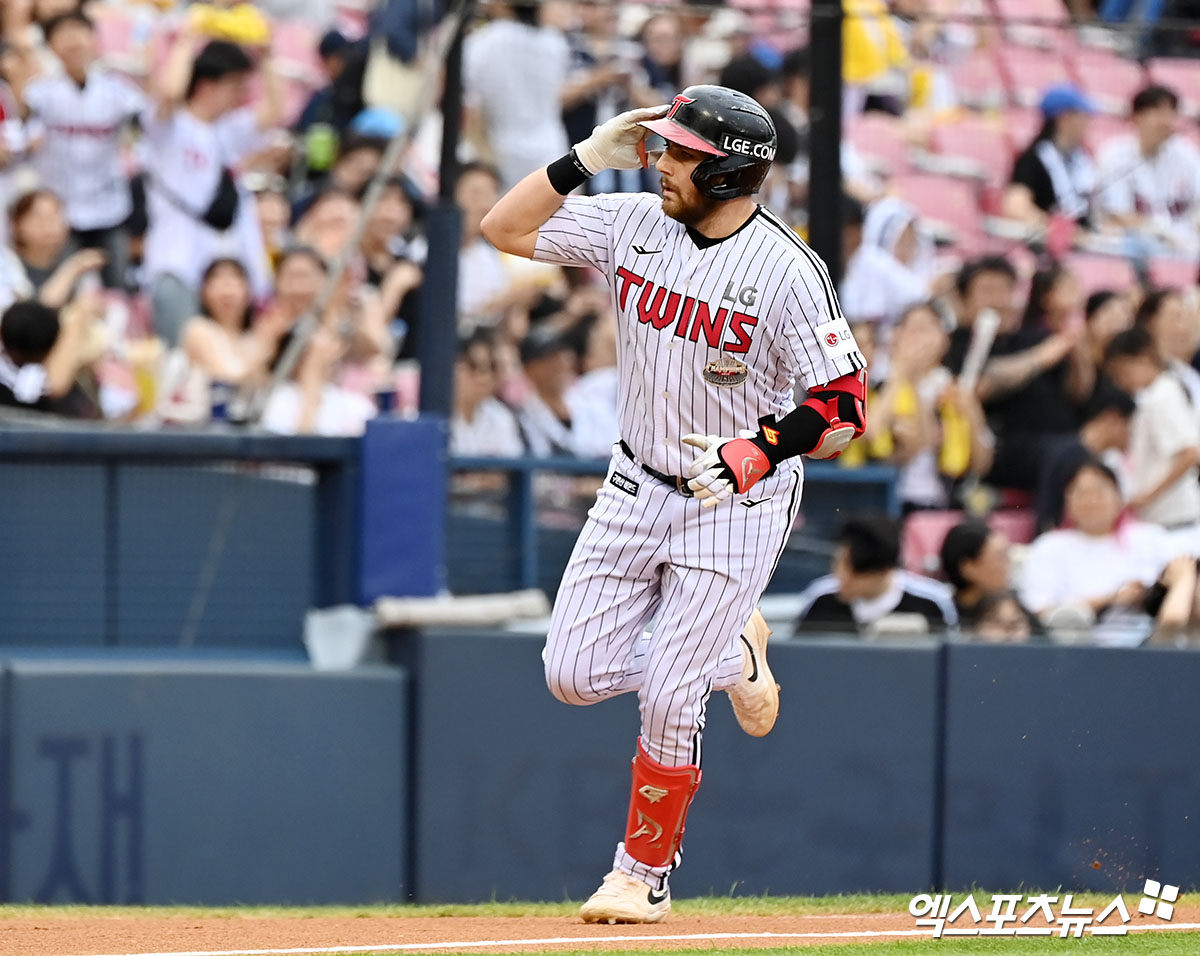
(843, 404)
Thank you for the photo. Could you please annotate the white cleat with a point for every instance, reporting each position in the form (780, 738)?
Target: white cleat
(755, 697)
(622, 898)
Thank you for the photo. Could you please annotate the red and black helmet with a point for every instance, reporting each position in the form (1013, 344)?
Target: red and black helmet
(732, 128)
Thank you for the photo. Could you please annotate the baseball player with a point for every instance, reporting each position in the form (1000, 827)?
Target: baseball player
(720, 309)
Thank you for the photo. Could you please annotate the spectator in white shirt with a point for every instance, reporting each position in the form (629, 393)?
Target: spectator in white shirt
(514, 73)
(482, 425)
(311, 403)
(1174, 329)
(198, 209)
(83, 113)
(1164, 443)
(1152, 177)
(1103, 566)
(486, 288)
(892, 268)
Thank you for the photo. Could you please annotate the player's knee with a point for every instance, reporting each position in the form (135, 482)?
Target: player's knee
(564, 686)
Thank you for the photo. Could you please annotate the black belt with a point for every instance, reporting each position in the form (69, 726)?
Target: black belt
(679, 484)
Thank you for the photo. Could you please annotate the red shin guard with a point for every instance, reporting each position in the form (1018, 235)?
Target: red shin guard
(658, 807)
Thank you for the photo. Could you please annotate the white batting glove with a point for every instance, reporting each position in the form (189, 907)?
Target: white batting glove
(614, 144)
(716, 476)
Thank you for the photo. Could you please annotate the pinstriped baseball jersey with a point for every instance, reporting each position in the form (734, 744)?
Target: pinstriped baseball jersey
(711, 333)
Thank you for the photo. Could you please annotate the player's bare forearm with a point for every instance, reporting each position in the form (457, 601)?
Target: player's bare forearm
(512, 224)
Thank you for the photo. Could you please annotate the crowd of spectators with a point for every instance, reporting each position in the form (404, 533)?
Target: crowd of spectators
(1020, 256)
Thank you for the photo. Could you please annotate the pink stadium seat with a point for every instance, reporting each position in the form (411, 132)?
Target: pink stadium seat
(1021, 124)
(1101, 272)
(943, 201)
(924, 532)
(294, 46)
(118, 41)
(881, 138)
(1173, 273)
(1110, 80)
(978, 82)
(1183, 76)
(1031, 72)
(1048, 35)
(981, 140)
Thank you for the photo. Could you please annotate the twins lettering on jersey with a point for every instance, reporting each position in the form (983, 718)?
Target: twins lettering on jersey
(661, 308)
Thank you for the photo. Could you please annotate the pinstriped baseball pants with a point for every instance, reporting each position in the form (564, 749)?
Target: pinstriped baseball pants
(647, 552)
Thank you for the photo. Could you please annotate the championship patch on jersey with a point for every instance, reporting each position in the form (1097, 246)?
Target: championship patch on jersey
(627, 485)
(836, 338)
(725, 372)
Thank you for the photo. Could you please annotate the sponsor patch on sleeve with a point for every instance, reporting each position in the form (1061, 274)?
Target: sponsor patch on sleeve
(836, 338)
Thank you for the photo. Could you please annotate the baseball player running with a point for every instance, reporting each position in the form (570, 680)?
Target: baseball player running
(720, 308)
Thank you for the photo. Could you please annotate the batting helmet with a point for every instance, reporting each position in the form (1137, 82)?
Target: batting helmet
(732, 128)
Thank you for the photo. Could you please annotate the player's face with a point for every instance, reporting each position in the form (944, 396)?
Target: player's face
(681, 199)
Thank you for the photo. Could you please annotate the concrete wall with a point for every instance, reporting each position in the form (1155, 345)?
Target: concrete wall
(202, 783)
(459, 778)
(520, 796)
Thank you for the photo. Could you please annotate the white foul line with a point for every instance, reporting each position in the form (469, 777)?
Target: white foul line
(567, 940)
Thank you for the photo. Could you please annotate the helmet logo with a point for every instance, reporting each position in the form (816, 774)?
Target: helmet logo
(747, 147)
(679, 101)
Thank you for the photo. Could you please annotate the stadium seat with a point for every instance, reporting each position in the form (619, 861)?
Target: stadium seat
(120, 45)
(946, 203)
(1096, 272)
(978, 82)
(1021, 124)
(1173, 273)
(294, 47)
(1030, 72)
(880, 138)
(981, 141)
(1045, 35)
(924, 532)
(1110, 80)
(1183, 76)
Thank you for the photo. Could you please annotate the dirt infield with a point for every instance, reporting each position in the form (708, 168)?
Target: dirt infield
(48, 934)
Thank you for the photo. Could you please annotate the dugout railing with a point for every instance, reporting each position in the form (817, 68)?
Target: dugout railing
(518, 530)
(224, 537)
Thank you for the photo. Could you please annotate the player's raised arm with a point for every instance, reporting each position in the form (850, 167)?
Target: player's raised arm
(513, 223)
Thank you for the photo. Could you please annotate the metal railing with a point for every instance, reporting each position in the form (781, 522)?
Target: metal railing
(824, 485)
